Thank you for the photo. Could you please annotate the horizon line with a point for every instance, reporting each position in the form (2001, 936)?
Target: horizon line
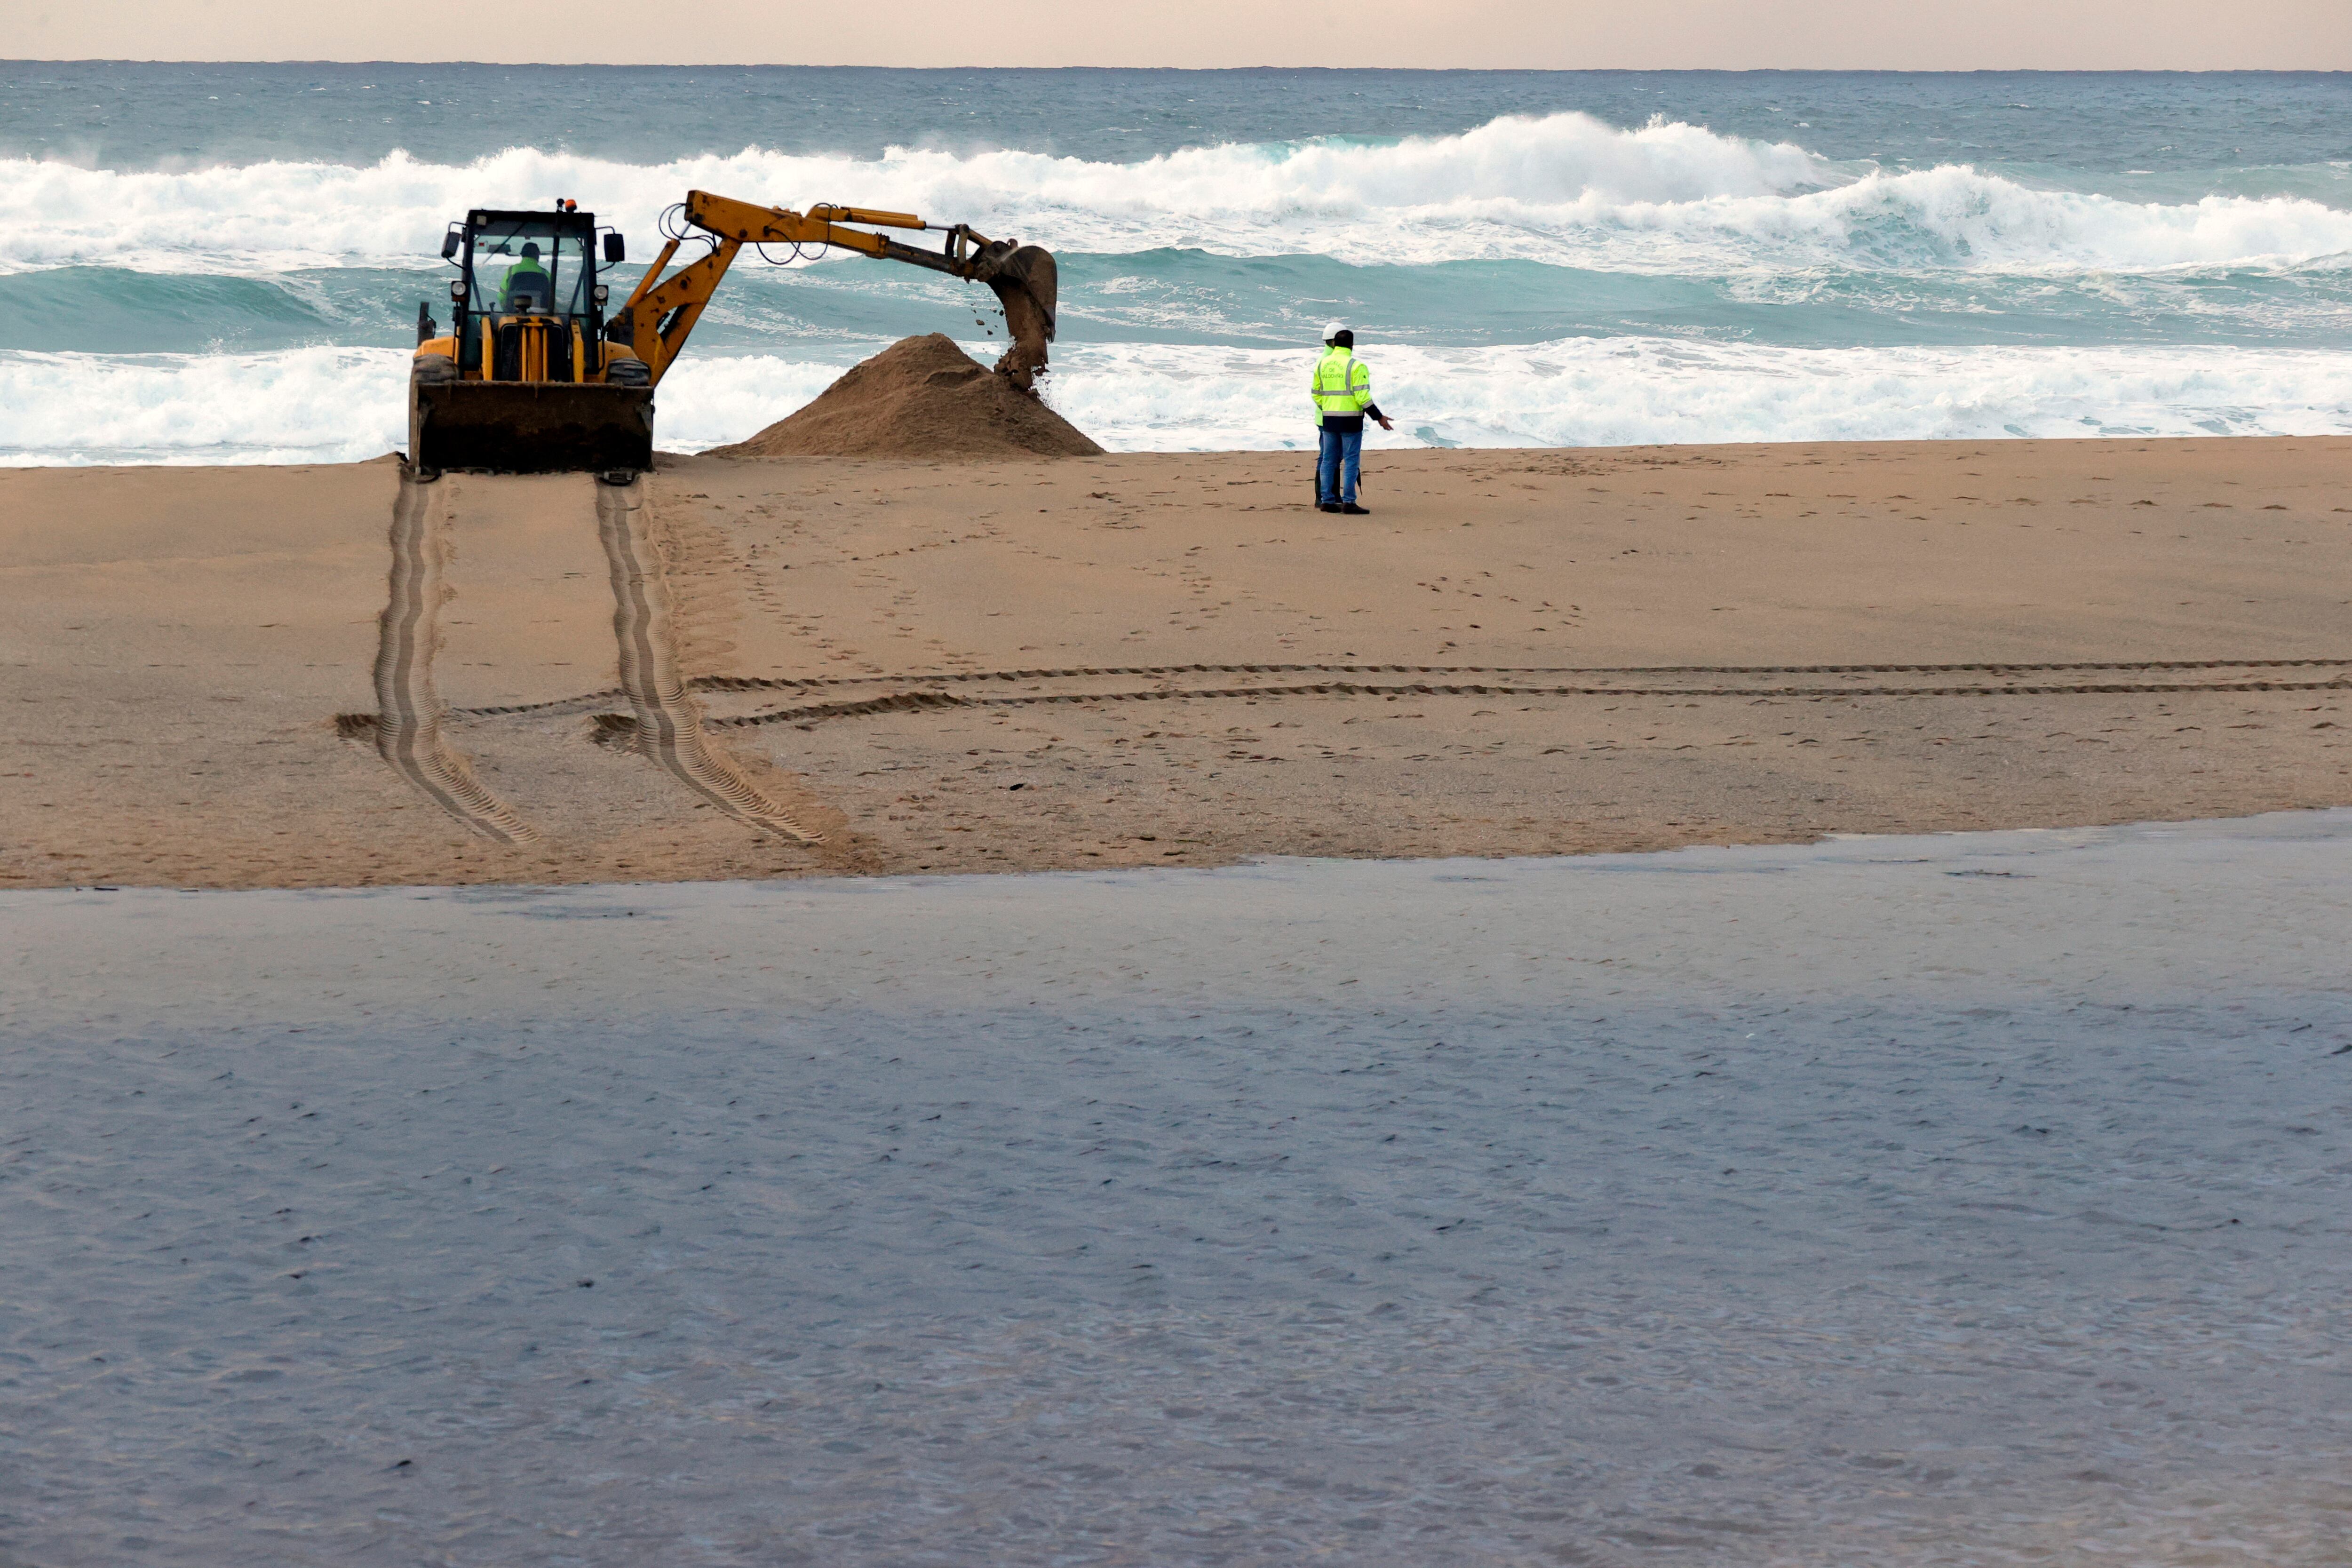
(1212, 70)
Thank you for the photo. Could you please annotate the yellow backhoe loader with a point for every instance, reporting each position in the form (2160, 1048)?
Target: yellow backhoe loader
(536, 377)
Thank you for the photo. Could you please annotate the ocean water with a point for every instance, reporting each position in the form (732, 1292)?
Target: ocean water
(1933, 1203)
(223, 263)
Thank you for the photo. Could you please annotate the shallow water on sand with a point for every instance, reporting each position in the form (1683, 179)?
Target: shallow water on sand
(1955, 1200)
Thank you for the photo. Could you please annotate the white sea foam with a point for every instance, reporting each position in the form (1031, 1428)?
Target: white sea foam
(1585, 392)
(1564, 187)
(341, 404)
(304, 406)
(312, 406)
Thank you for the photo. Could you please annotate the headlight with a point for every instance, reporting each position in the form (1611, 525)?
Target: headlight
(458, 290)
(603, 294)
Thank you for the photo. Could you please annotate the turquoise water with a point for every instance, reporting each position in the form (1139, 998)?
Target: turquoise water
(195, 257)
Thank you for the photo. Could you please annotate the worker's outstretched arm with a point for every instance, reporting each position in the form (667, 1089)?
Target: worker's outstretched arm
(1360, 376)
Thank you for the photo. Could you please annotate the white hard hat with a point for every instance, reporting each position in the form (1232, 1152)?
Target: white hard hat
(1331, 330)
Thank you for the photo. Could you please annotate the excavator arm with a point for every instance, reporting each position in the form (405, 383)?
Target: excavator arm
(663, 310)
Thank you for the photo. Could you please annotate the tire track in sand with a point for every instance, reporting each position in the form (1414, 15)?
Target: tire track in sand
(408, 707)
(669, 723)
(1625, 672)
(910, 702)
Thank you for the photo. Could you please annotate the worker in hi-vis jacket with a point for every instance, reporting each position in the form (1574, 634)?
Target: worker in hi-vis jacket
(1342, 390)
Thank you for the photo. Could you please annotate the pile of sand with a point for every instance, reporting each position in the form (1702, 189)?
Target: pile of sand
(921, 398)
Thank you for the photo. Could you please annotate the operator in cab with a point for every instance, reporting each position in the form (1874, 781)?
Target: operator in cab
(527, 285)
(1343, 391)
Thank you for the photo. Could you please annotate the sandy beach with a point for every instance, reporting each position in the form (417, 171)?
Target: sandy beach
(293, 677)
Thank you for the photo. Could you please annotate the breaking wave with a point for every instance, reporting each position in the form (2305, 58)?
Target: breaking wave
(1659, 283)
(1566, 188)
(326, 404)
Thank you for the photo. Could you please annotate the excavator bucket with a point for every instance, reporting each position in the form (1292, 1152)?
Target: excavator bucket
(1027, 284)
(530, 427)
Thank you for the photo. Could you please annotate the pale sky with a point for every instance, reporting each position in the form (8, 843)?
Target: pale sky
(1906, 35)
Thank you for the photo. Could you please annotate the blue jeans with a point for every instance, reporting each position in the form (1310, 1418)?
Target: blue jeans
(1338, 466)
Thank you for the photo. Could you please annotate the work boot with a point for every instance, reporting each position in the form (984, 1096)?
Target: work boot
(1329, 506)
(1351, 510)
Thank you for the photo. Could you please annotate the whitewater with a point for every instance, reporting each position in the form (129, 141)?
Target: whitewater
(1561, 263)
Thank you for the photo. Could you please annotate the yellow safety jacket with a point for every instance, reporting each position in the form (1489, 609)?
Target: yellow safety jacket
(1342, 385)
(519, 280)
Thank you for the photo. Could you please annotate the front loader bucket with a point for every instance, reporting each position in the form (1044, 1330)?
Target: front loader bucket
(530, 427)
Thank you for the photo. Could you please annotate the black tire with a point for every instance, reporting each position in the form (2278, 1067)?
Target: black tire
(627, 373)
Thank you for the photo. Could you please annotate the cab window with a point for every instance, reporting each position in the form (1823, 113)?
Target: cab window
(521, 268)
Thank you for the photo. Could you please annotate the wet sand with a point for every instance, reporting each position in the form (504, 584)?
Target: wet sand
(1937, 1203)
(228, 678)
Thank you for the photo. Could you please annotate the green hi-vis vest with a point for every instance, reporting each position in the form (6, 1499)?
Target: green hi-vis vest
(1342, 384)
(520, 277)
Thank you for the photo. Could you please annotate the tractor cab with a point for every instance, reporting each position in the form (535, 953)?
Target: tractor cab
(528, 303)
(517, 272)
(525, 379)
